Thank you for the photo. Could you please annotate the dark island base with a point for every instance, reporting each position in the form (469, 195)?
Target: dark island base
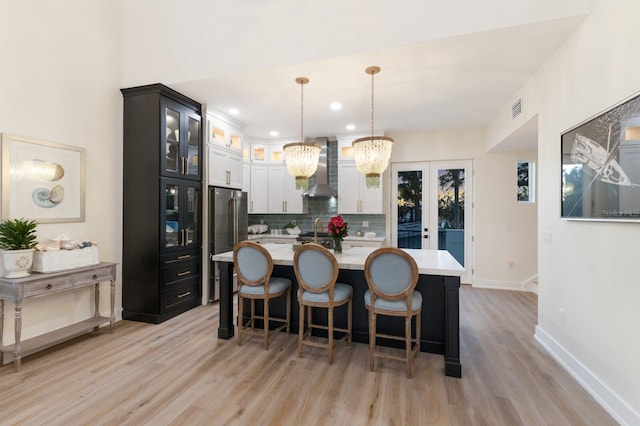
(440, 313)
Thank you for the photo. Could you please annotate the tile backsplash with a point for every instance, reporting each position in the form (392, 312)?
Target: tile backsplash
(305, 221)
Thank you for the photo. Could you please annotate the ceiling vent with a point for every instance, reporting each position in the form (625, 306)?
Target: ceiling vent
(516, 108)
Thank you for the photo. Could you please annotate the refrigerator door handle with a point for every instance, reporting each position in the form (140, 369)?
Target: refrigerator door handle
(234, 215)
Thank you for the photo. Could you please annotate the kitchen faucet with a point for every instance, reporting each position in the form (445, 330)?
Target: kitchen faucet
(316, 222)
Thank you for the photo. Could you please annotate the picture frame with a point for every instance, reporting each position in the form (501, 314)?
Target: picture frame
(525, 181)
(600, 166)
(42, 181)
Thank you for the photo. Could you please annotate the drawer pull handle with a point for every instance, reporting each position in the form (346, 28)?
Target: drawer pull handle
(95, 277)
(186, 256)
(182, 274)
(49, 286)
(180, 296)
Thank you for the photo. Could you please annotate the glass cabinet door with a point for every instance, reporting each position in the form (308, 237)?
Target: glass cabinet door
(192, 154)
(191, 220)
(170, 220)
(172, 157)
(180, 221)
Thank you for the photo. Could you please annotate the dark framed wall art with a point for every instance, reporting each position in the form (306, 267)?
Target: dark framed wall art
(601, 166)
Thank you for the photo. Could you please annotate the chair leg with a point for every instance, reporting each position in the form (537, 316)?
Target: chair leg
(288, 295)
(300, 329)
(253, 313)
(330, 320)
(418, 335)
(372, 336)
(266, 323)
(240, 325)
(349, 319)
(407, 331)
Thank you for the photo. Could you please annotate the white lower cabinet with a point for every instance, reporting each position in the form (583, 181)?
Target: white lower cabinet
(225, 167)
(355, 197)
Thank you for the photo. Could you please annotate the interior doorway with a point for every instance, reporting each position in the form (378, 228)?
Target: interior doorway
(433, 208)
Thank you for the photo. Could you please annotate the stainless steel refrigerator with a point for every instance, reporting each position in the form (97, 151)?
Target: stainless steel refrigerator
(229, 221)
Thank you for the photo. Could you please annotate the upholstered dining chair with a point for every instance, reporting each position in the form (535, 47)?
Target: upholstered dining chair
(392, 276)
(254, 266)
(316, 270)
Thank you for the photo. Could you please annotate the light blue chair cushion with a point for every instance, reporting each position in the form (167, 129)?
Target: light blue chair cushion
(395, 305)
(315, 268)
(276, 284)
(341, 292)
(391, 273)
(252, 263)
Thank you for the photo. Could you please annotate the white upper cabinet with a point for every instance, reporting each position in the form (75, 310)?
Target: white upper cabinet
(283, 195)
(258, 195)
(225, 168)
(225, 153)
(353, 195)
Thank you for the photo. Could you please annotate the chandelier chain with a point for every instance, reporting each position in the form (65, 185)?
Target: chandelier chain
(301, 112)
(372, 74)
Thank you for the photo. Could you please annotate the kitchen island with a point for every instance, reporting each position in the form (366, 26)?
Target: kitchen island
(439, 283)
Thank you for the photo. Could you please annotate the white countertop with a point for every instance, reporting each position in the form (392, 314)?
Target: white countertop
(430, 262)
(293, 237)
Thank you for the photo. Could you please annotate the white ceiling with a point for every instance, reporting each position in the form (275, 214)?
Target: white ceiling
(435, 82)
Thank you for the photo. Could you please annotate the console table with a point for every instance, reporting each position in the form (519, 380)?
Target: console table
(44, 284)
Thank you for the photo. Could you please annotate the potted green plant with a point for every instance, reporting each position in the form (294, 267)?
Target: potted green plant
(17, 239)
(291, 228)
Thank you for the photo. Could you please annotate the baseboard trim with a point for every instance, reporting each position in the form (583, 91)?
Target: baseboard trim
(528, 285)
(497, 285)
(616, 406)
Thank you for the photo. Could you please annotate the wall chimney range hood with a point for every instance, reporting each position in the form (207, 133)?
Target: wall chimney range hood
(321, 188)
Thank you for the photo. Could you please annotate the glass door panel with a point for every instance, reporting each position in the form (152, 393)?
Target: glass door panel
(451, 207)
(193, 146)
(171, 226)
(191, 220)
(411, 214)
(172, 141)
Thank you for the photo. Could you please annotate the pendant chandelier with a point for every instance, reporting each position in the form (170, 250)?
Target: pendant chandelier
(372, 153)
(302, 157)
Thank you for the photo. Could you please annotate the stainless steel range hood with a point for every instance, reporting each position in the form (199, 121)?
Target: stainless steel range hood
(321, 188)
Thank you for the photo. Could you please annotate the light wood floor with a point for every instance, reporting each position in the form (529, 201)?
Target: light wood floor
(180, 373)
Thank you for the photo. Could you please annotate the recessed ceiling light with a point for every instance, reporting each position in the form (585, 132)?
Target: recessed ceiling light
(234, 111)
(273, 133)
(350, 127)
(336, 106)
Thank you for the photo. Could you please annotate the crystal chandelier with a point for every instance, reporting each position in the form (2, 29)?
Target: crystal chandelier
(301, 157)
(372, 153)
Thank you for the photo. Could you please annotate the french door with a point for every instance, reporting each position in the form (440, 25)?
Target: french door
(434, 208)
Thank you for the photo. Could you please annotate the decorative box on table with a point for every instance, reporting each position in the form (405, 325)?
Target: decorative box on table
(59, 260)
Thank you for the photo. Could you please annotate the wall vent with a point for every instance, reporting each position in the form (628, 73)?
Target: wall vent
(516, 108)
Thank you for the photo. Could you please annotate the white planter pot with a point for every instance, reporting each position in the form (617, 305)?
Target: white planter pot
(17, 263)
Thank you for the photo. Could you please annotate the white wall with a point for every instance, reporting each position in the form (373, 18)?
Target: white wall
(589, 270)
(503, 228)
(61, 70)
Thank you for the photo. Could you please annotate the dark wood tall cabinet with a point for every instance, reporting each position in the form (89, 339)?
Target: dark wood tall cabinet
(162, 203)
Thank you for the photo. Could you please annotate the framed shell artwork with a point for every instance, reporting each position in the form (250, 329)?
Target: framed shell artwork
(41, 180)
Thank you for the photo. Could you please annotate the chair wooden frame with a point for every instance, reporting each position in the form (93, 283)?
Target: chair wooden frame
(408, 314)
(249, 326)
(305, 336)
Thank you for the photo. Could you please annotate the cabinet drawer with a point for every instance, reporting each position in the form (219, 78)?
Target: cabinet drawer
(93, 277)
(46, 287)
(180, 271)
(190, 256)
(186, 293)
